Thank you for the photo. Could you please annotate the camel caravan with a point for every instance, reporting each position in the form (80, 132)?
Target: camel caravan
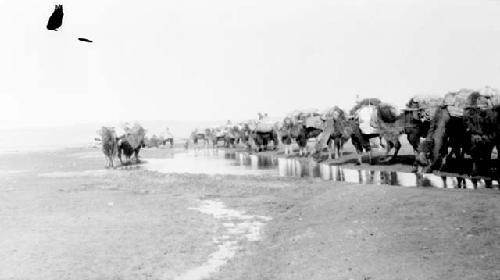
(456, 133)
(442, 130)
(128, 143)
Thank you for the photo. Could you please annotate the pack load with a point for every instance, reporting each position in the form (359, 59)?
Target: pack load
(108, 134)
(332, 113)
(362, 103)
(230, 132)
(386, 113)
(426, 104)
(314, 122)
(492, 94)
(368, 119)
(264, 126)
(134, 134)
(484, 98)
(303, 114)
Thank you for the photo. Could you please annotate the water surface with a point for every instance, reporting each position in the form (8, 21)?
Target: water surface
(214, 161)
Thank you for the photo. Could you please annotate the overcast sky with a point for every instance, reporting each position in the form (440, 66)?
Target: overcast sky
(229, 59)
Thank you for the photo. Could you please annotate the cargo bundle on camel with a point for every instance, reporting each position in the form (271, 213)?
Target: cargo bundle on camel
(131, 142)
(326, 128)
(336, 131)
(202, 135)
(167, 136)
(419, 112)
(371, 119)
(301, 125)
(467, 122)
(261, 132)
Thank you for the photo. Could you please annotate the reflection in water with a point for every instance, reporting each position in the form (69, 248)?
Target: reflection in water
(301, 167)
(211, 161)
(306, 168)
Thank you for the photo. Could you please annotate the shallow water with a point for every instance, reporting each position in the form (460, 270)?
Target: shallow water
(238, 227)
(298, 167)
(209, 161)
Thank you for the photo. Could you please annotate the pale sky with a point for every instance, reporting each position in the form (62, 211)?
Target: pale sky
(229, 59)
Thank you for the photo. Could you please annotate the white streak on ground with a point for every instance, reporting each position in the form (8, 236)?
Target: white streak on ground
(238, 227)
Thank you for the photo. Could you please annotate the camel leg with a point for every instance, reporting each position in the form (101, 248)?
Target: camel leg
(329, 146)
(415, 162)
(136, 155)
(388, 149)
(360, 158)
(340, 148)
(356, 142)
(380, 142)
(359, 152)
(438, 150)
(120, 156)
(336, 150)
(370, 157)
(397, 147)
(396, 151)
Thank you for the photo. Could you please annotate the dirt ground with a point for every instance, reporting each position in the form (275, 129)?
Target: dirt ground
(63, 217)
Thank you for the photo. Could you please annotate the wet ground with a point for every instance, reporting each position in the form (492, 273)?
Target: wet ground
(63, 216)
(220, 161)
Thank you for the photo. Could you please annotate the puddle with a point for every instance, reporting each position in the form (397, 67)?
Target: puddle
(296, 167)
(238, 227)
(209, 161)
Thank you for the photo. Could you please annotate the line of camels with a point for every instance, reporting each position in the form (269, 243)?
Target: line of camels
(462, 127)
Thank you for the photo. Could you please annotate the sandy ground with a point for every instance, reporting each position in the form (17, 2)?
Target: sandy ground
(63, 217)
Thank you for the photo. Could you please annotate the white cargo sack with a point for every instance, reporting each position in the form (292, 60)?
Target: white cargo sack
(367, 117)
(264, 125)
(314, 121)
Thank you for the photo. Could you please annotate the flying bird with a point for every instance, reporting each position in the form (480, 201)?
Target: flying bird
(85, 40)
(55, 20)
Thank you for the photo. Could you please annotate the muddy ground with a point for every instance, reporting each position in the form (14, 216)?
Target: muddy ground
(63, 217)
